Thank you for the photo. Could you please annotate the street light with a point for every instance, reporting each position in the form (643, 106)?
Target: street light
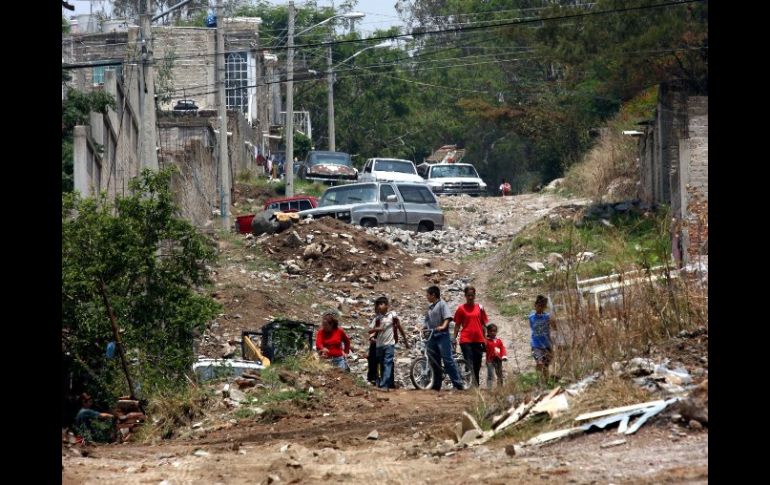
(289, 122)
(330, 80)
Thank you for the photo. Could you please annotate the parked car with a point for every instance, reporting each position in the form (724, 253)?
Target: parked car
(407, 205)
(452, 178)
(292, 204)
(389, 170)
(327, 167)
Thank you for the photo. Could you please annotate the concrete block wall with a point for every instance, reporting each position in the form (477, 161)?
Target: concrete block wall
(195, 65)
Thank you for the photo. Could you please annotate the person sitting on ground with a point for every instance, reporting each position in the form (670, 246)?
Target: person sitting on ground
(332, 343)
(495, 356)
(540, 323)
(85, 424)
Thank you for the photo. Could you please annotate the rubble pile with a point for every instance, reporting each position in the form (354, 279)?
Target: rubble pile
(447, 241)
(332, 251)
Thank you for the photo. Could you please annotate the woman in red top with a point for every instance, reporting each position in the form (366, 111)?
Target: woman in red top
(332, 343)
(470, 320)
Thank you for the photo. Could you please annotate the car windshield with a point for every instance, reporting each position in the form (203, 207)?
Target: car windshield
(394, 166)
(349, 194)
(453, 171)
(330, 158)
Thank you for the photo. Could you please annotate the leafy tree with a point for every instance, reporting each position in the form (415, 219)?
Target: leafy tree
(151, 263)
(75, 111)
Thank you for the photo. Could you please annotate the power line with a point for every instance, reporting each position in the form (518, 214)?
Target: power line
(467, 28)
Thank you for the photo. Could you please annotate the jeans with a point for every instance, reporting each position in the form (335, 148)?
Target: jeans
(496, 367)
(473, 353)
(339, 362)
(385, 362)
(440, 349)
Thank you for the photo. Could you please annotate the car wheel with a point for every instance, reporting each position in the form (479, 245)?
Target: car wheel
(424, 227)
(368, 223)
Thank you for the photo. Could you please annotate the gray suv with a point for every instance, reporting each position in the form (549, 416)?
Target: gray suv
(406, 205)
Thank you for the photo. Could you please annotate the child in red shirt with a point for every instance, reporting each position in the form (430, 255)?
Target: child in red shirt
(495, 356)
(332, 343)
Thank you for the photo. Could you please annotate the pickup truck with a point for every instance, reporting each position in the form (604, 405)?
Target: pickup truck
(326, 167)
(406, 205)
(452, 178)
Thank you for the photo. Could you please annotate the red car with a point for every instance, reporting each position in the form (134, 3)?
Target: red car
(292, 204)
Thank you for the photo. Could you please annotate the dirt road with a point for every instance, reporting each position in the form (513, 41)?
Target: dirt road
(328, 441)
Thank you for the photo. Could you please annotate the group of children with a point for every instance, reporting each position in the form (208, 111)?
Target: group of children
(478, 338)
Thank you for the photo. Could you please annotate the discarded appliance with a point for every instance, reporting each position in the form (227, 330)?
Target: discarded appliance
(207, 369)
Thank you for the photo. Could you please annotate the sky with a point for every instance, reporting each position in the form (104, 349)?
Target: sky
(380, 14)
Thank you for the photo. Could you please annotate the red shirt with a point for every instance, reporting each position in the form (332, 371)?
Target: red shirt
(495, 350)
(335, 342)
(471, 321)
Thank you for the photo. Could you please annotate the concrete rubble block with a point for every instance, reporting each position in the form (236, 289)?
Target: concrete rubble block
(555, 259)
(469, 423)
(293, 240)
(536, 266)
(374, 435)
(470, 436)
(312, 251)
(422, 262)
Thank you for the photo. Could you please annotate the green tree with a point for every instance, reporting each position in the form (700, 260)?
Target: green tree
(152, 264)
(75, 111)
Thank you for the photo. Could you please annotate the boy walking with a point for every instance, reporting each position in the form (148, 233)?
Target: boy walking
(384, 328)
(495, 356)
(540, 323)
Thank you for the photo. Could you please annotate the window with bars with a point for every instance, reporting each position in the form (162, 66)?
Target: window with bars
(237, 81)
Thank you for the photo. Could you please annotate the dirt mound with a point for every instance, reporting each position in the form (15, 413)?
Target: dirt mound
(245, 195)
(330, 250)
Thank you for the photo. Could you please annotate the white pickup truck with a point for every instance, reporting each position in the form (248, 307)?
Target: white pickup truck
(452, 178)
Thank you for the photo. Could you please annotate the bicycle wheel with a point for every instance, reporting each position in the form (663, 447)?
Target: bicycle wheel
(421, 374)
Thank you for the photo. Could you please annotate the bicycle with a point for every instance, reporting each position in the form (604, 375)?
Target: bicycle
(421, 373)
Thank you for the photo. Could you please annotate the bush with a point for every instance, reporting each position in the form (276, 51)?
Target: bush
(145, 262)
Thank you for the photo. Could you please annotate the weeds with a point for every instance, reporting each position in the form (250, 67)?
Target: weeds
(170, 411)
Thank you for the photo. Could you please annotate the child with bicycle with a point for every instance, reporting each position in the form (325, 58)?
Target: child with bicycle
(385, 327)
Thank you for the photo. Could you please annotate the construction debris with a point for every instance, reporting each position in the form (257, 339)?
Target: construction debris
(620, 416)
(622, 409)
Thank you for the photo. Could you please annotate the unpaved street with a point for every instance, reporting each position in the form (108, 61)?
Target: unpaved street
(328, 442)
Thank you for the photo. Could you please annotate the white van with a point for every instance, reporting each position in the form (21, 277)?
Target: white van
(389, 170)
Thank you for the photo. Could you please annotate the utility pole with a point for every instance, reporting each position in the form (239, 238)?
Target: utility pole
(147, 149)
(289, 126)
(330, 80)
(224, 164)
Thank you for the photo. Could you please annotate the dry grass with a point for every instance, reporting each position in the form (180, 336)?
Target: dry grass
(648, 312)
(172, 411)
(613, 158)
